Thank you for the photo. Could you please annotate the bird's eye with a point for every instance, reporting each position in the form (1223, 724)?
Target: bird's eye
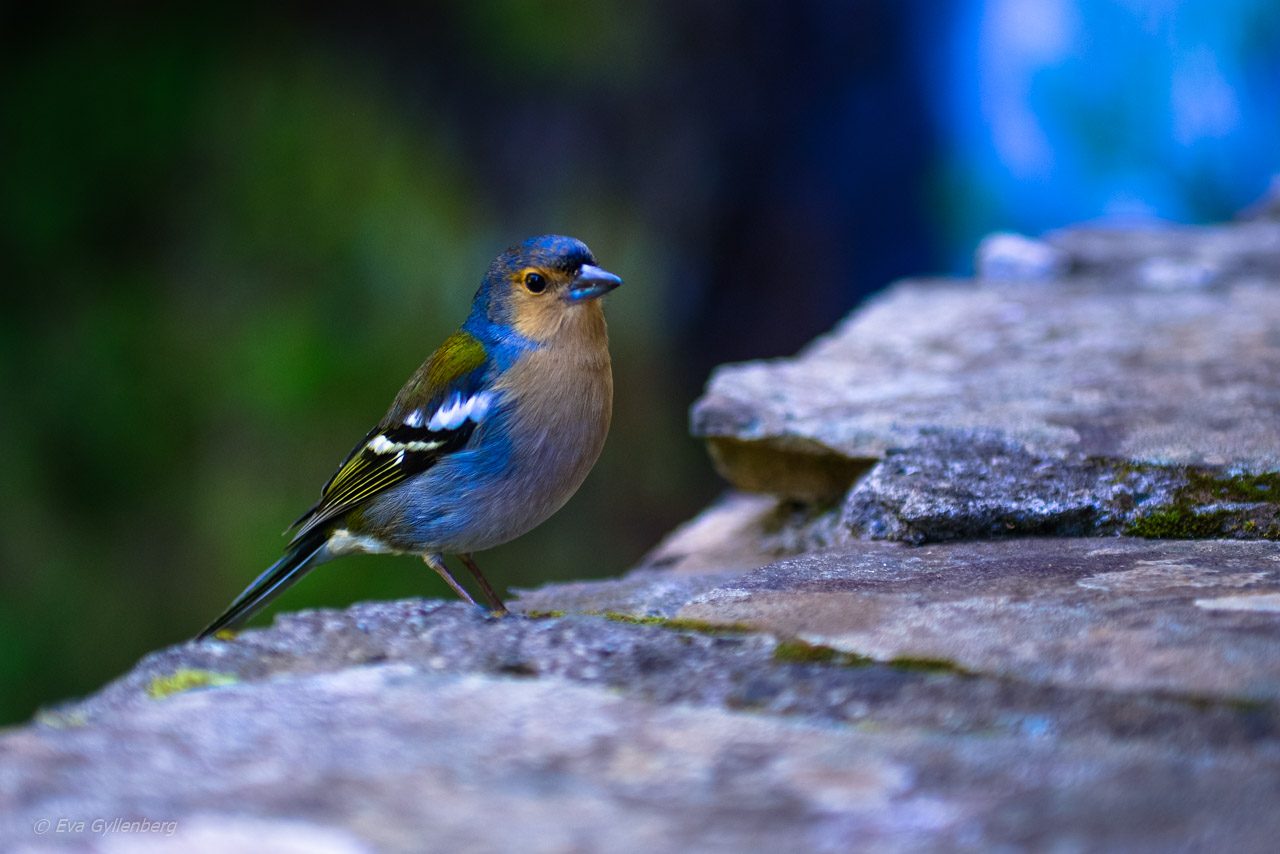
(536, 283)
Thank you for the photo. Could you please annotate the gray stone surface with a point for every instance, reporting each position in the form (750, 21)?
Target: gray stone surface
(1154, 363)
(1081, 694)
(1192, 618)
(1084, 366)
(1012, 256)
(1163, 257)
(386, 757)
(975, 484)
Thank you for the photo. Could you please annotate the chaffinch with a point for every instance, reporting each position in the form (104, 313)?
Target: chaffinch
(491, 435)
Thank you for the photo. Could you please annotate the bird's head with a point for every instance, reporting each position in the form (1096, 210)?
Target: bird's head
(544, 287)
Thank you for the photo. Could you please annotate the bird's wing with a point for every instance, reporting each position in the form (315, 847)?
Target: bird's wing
(433, 415)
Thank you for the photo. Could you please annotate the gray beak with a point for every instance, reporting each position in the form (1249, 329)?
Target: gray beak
(590, 283)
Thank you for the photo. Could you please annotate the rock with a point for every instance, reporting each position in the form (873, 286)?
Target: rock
(1091, 694)
(386, 758)
(1196, 618)
(1215, 254)
(1139, 394)
(1011, 256)
(1116, 615)
(975, 484)
(802, 470)
(1266, 208)
(1150, 378)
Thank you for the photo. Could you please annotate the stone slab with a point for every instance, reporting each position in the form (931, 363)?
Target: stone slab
(617, 642)
(388, 758)
(1153, 361)
(1087, 694)
(1196, 619)
(1082, 366)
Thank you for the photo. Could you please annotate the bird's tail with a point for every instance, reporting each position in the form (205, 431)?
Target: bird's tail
(279, 577)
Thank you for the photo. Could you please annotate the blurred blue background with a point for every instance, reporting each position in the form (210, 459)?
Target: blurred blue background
(228, 236)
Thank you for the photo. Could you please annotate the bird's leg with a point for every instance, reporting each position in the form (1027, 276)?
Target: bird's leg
(494, 601)
(436, 562)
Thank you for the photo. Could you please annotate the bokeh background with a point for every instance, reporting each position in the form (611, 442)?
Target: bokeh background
(227, 236)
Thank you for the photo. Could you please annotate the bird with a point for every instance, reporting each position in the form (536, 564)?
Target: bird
(488, 438)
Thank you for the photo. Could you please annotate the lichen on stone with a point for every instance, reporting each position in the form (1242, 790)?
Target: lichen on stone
(1213, 504)
(187, 679)
(928, 665)
(796, 651)
(679, 624)
(58, 719)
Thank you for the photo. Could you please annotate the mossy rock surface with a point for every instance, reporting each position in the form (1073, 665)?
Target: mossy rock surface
(746, 710)
(1108, 392)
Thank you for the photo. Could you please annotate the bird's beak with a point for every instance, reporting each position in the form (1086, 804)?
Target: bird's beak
(590, 283)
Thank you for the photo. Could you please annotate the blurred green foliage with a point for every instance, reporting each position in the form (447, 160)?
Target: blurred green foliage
(226, 249)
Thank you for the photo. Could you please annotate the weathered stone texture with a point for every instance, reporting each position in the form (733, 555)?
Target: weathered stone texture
(1097, 693)
(388, 758)
(1195, 618)
(1090, 404)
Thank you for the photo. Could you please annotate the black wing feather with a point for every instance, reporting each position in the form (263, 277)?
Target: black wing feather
(367, 472)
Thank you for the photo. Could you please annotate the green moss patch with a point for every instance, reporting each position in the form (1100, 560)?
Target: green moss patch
(1242, 487)
(187, 679)
(928, 665)
(1197, 511)
(1183, 523)
(706, 628)
(622, 617)
(680, 625)
(793, 651)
